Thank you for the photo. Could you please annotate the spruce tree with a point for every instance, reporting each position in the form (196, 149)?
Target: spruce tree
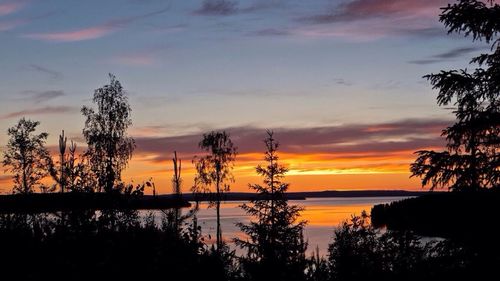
(275, 245)
(471, 160)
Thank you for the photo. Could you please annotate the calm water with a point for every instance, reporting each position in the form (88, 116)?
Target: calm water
(322, 215)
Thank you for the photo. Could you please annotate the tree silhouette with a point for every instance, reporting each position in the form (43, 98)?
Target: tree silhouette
(275, 245)
(174, 217)
(73, 169)
(109, 146)
(78, 174)
(215, 169)
(26, 156)
(471, 160)
(59, 174)
(360, 251)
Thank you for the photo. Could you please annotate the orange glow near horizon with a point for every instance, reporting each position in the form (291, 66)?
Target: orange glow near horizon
(307, 172)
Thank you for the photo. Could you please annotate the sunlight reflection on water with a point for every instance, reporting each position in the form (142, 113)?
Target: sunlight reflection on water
(322, 216)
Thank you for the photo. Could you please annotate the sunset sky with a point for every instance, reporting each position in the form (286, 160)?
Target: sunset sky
(340, 82)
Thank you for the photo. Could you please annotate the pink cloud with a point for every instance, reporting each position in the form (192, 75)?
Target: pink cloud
(75, 35)
(372, 29)
(11, 7)
(426, 8)
(366, 20)
(366, 9)
(89, 33)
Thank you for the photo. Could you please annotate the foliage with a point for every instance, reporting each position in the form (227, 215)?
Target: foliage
(317, 268)
(79, 176)
(215, 170)
(83, 245)
(275, 245)
(109, 146)
(361, 252)
(471, 161)
(26, 156)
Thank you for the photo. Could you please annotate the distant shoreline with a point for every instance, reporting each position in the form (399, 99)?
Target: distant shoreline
(245, 196)
(49, 202)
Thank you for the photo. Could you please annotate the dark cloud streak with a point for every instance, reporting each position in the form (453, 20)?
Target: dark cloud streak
(342, 81)
(228, 7)
(270, 32)
(41, 97)
(51, 73)
(217, 8)
(38, 111)
(354, 138)
(446, 56)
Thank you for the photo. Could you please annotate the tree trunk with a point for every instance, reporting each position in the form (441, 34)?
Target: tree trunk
(62, 179)
(217, 207)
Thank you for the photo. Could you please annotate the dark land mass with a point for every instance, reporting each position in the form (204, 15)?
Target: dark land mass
(244, 196)
(51, 202)
(457, 215)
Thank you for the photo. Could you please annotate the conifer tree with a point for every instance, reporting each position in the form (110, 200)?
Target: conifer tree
(471, 160)
(275, 245)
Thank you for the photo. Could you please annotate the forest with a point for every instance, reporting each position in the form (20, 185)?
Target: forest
(440, 235)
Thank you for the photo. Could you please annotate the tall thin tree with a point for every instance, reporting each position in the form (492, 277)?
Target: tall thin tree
(214, 170)
(62, 154)
(176, 188)
(26, 156)
(59, 174)
(109, 146)
(72, 169)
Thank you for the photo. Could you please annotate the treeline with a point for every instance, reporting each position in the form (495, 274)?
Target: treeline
(449, 215)
(122, 245)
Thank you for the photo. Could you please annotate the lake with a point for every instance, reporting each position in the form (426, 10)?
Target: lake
(322, 216)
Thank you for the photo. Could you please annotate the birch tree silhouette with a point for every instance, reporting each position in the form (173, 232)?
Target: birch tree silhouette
(26, 156)
(214, 170)
(109, 146)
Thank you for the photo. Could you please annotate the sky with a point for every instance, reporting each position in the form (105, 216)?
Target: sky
(339, 82)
